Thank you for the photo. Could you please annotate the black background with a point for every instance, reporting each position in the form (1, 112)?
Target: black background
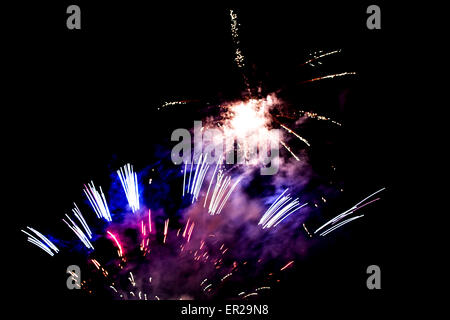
(74, 96)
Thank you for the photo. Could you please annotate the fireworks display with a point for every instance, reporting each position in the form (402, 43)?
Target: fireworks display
(220, 236)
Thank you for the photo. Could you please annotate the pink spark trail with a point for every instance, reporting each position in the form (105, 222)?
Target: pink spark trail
(119, 246)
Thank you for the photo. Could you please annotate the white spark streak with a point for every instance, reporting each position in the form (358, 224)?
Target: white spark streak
(45, 244)
(295, 134)
(80, 234)
(219, 197)
(280, 209)
(320, 56)
(129, 181)
(131, 278)
(80, 218)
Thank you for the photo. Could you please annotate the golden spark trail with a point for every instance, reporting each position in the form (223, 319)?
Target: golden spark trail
(330, 76)
(295, 134)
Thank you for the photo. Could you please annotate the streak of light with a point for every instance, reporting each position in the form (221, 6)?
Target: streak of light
(280, 209)
(262, 288)
(166, 229)
(313, 115)
(289, 149)
(354, 208)
(131, 278)
(295, 134)
(45, 244)
(212, 178)
(340, 224)
(149, 221)
(307, 231)
(320, 56)
(129, 181)
(290, 263)
(97, 201)
(119, 246)
(80, 218)
(218, 197)
(80, 234)
(190, 231)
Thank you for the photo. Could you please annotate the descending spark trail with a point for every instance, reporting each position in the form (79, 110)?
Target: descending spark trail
(119, 246)
(184, 177)
(307, 231)
(166, 229)
(212, 179)
(199, 176)
(238, 55)
(80, 234)
(341, 216)
(171, 103)
(239, 58)
(221, 185)
(190, 231)
(219, 197)
(246, 122)
(280, 209)
(330, 76)
(45, 244)
(143, 230)
(320, 56)
(98, 201)
(186, 228)
(221, 190)
(96, 263)
(289, 149)
(128, 178)
(314, 115)
(249, 123)
(149, 221)
(226, 276)
(80, 218)
(295, 134)
(340, 224)
(262, 288)
(289, 264)
(131, 278)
